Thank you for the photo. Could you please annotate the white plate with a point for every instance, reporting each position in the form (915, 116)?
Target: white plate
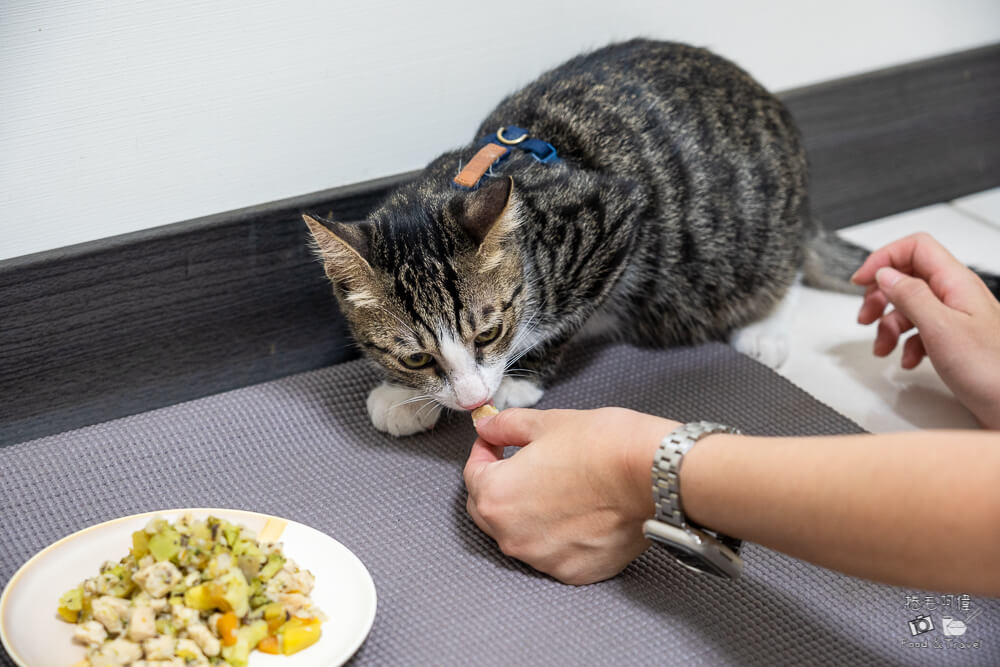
(35, 637)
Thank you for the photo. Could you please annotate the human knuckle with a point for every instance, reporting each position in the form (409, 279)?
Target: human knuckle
(489, 508)
(569, 572)
(514, 547)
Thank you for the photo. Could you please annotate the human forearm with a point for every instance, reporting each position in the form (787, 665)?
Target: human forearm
(918, 509)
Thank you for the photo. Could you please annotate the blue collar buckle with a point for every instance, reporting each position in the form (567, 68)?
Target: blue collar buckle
(517, 137)
(495, 148)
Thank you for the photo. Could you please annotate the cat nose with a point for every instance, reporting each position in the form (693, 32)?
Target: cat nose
(473, 406)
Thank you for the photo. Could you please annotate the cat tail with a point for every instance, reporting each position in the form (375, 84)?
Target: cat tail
(831, 261)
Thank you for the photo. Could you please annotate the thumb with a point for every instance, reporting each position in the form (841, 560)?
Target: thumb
(514, 427)
(910, 296)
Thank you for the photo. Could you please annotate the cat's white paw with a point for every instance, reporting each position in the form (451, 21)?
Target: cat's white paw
(392, 410)
(517, 393)
(762, 343)
(766, 340)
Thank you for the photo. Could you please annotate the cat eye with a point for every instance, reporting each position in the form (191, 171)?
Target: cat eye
(489, 335)
(418, 360)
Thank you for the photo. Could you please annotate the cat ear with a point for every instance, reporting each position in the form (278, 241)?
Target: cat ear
(486, 211)
(343, 249)
(490, 216)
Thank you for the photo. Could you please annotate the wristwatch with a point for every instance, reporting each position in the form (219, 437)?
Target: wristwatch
(696, 548)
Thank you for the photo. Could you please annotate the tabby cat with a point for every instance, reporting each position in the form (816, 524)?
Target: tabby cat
(677, 213)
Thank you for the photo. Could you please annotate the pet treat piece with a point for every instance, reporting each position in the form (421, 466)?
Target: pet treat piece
(483, 411)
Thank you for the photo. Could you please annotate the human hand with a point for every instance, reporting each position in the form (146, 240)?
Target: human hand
(956, 317)
(570, 502)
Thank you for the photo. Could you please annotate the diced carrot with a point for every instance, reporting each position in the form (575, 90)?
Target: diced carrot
(227, 626)
(270, 645)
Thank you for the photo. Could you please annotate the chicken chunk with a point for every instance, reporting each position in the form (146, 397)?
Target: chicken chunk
(111, 611)
(142, 624)
(190, 651)
(157, 579)
(203, 637)
(295, 603)
(169, 662)
(115, 653)
(183, 616)
(159, 648)
(91, 633)
(302, 581)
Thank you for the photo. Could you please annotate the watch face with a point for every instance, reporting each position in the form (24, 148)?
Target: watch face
(695, 561)
(695, 549)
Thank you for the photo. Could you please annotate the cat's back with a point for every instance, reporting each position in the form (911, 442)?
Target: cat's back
(651, 65)
(631, 96)
(718, 164)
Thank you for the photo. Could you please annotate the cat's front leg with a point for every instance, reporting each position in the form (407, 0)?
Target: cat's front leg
(401, 410)
(539, 365)
(517, 393)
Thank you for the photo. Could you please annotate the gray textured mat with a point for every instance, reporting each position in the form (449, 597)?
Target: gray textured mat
(302, 448)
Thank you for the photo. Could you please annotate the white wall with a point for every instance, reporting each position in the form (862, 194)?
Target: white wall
(119, 115)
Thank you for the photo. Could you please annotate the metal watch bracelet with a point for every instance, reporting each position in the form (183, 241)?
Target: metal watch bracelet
(666, 474)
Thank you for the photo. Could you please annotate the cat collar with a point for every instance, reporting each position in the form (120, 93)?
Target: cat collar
(495, 148)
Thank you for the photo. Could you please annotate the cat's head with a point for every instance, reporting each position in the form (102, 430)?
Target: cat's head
(432, 287)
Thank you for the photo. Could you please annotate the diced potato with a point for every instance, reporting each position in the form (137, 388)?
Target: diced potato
(275, 615)
(230, 532)
(272, 567)
(165, 544)
(299, 633)
(237, 592)
(140, 544)
(68, 615)
(70, 605)
(198, 597)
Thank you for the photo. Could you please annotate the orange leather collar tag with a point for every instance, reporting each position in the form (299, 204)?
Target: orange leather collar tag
(479, 165)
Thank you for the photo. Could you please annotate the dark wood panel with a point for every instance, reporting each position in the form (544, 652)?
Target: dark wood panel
(903, 137)
(115, 327)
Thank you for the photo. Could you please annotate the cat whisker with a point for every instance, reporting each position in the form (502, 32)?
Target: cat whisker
(520, 343)
(434, 405)
(516, 354)
(523, 332)
(415, 399)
